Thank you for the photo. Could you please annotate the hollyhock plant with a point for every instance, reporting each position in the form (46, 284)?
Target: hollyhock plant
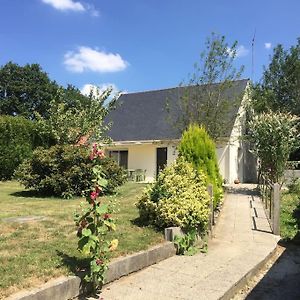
(94, 223)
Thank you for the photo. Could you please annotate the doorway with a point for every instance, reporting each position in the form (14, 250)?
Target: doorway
(161, 159)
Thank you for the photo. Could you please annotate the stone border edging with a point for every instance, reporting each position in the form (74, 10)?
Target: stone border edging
(64, 288)
(245, 279)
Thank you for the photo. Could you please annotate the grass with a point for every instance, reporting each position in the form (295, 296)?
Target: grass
(31, 253)
(290, 217)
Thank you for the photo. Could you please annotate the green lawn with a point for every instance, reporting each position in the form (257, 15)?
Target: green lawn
(32, 253)
(290, 217)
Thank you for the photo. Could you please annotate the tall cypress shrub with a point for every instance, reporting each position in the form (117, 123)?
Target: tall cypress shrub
(198, 148)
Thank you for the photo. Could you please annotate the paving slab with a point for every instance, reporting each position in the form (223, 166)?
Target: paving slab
(242, 239)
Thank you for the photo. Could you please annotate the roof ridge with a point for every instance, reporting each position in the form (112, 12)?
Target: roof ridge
(176, 87)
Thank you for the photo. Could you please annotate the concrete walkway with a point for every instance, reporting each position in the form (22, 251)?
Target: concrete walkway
(242, 239)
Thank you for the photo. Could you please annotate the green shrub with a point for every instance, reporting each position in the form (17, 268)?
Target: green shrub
(116, 175)
(178, 198)
(65, 170)
(294, 186)
(18, 138)
(198, 148)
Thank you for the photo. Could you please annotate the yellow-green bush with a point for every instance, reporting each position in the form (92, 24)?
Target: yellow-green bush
(199, 149)
(178, 198)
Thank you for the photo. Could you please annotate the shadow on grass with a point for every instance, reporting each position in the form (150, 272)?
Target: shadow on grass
(76, 265)
(283, 279)
(142, 222)
(34, 194)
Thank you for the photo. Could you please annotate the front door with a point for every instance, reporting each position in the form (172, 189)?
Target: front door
(161, 159)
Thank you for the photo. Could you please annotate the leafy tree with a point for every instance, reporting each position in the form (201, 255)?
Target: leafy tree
(204, 100)
(76, 121)
(25, 90)
(279, 89)
(273, 135)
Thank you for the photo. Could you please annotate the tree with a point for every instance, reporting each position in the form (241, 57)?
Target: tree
(75, 121)
(279, 89)
(25, 90)
(273, 135)
(204, 100)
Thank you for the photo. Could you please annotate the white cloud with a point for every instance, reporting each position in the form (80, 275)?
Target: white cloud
(88, 59)
(87, 88)
(65, 5)
(268, 45)
(240, 51)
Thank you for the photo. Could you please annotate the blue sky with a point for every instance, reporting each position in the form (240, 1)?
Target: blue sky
(138, 45)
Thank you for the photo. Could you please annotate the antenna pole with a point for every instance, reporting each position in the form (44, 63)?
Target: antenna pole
(252, 46)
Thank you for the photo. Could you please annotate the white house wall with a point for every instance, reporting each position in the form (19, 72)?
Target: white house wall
(236, 147)
(143, 156)
(223, 161)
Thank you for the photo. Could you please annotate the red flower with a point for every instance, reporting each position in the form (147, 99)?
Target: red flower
(99, 261)
(96, 152)
(100, 153)
(106, 216)
(94, 195)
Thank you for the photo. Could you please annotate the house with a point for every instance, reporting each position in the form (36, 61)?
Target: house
(144, 138)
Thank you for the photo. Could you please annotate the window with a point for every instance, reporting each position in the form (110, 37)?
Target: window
(120, 157)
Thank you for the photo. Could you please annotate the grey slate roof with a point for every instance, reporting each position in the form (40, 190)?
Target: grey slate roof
(143, 115)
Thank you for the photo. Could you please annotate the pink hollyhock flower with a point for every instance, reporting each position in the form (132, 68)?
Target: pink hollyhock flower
(100, 154)
(94, 195)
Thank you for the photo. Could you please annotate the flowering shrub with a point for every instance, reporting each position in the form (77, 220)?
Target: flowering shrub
(273, 136)
(94, 222)
(66, 170)
(178, 198)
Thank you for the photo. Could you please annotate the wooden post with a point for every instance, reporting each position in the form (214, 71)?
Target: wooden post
(276, 209)
(211, 206)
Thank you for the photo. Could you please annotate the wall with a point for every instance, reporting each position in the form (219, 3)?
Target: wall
(223, 160)
(143, 156)
(289, 175)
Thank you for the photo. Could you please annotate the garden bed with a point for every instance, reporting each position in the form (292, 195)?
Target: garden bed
(43, 245)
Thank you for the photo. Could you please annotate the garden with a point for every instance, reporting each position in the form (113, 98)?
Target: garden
(74, 211)
(35, 251)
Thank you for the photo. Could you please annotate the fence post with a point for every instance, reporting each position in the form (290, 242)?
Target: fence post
(276, 211)
(211, 206)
